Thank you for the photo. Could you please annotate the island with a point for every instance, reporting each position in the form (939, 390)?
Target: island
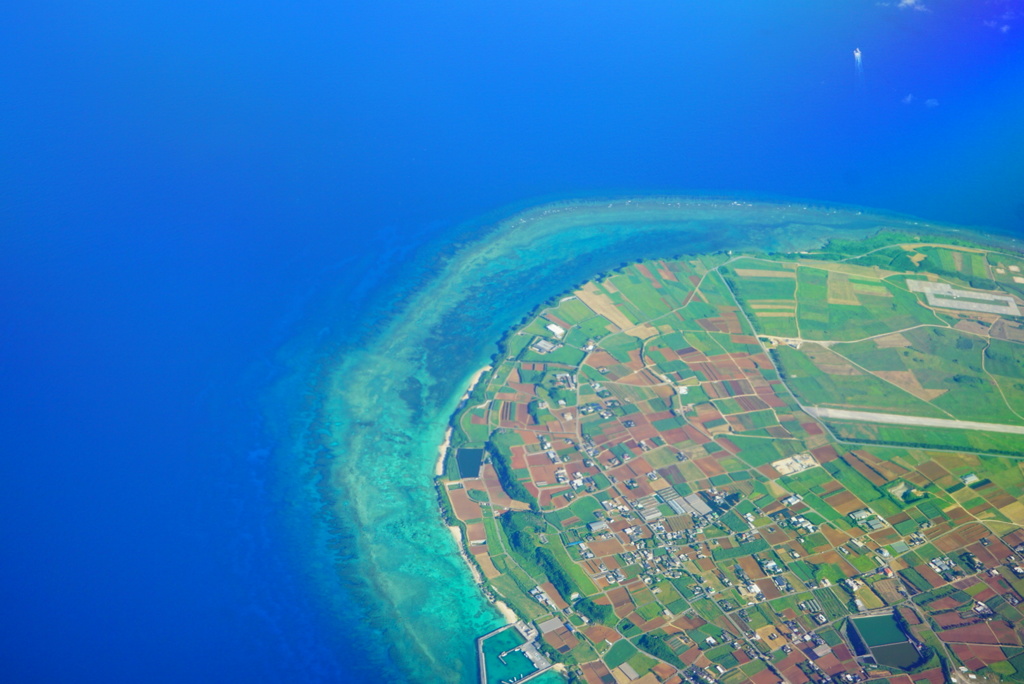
(754, 467)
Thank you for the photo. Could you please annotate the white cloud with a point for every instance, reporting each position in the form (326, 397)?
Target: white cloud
(932, 102)
(912, 4)
(908, 99)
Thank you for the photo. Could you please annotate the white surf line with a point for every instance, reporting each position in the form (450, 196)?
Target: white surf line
(896, 419)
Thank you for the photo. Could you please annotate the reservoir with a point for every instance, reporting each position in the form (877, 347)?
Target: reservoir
(902, 655)
(885, 641)
(469, 462)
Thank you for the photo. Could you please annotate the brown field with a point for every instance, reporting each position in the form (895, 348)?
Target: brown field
(1005, 330)
(598, 633)
(830, 487)
(976, 656)
(957, 460)
(891, 340)
(768, 588)
(464, 508)
(596, 672)
(1004, 632)
(978, 634)
(845, 502)
(779, 536)
(865, 272)
(835, 537)
(1014, 512)
(949, 619)
(710, 466)
(889, 469)
(828, 361)
(937, 531)
(620, 602)
(484, 561)
(960, 538)
(642, 377)
(908, 382)
(476, 532)
(601, 304)
(997, 498)
(768, 632)
(886, 535)
(858, 464)
(751, 567)
(958, 515)
(971, 326)
(933, 471)
(599, 358)
(888, 589)
(944, 603)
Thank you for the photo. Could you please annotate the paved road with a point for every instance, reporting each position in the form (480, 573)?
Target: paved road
(896, 419)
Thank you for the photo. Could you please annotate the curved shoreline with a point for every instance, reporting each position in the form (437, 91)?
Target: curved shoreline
(389, 401)
(442, 450)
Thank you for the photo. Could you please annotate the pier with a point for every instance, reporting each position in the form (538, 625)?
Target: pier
(539, 662)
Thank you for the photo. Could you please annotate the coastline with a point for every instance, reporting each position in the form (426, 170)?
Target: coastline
(442, 449)
(384, 397)
(503, 608)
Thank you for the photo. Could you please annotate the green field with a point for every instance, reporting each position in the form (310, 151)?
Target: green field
(659, 561)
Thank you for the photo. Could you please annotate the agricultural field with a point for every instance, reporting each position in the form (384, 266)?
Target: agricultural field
(710, 469)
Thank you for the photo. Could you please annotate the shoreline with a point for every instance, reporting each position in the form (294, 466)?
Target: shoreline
(371, 420)
(442, 449)
(507, 614)
(503, 608)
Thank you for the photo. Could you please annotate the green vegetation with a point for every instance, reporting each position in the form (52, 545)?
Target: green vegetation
(595, 612)
(553, 570)
(501, 459)
(607, 439)
(619, 653)
(657, 648)
(756, 546)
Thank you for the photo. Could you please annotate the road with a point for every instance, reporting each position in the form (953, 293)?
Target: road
(897, 419)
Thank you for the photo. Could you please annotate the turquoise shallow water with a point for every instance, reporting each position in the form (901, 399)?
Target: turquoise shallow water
(513, 665)
(384, 401)
(210, 204)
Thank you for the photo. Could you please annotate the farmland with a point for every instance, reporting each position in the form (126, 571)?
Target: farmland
(702, 469)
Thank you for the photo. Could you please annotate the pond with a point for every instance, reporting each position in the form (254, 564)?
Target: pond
(886, 641)
(902, 655)
(469, 462)
(879, 630)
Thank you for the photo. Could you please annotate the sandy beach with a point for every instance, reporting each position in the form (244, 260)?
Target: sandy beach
(456, 532)
(507, 613)
(443, 448)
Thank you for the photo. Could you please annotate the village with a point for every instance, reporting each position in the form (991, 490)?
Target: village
(641, 482)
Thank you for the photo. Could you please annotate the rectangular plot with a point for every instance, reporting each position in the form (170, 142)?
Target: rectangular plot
(840, 289)
(763, 273)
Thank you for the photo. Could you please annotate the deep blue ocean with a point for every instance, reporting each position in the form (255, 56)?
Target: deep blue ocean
(201, 201)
